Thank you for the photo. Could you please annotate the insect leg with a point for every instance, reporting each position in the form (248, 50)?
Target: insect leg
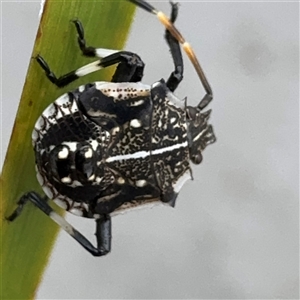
(177, 75)
(89, 51)
(130, 66)
(130, 69)
(185, 45)
(69, 77)
(103, 224)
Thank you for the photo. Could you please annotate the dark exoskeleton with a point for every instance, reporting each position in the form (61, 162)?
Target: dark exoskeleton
(110, 146)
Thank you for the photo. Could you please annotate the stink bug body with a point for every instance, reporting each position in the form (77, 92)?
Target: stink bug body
(110, 146)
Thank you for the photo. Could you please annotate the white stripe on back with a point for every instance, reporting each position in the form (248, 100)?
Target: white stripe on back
(143, 154)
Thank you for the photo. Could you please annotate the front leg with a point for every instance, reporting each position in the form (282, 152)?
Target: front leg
(103, 229)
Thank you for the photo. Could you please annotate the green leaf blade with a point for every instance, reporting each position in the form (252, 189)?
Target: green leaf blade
(27, 242)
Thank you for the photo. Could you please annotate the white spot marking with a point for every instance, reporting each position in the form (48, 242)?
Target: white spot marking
(63, 154)
(135, 123)
(140, 183)
(121, 180)
(115, 130)
(94, 144)
(90, 68)
(66, 180)
(99, 179)
(92, 177)
(76, 183)
(173, 120)
(89, 153)
(137, 103)
(81, 88)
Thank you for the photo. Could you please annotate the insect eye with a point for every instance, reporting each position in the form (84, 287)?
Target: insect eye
(197, 158)
(84, 163)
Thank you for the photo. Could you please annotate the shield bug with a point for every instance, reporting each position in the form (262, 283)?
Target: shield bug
(110, 146)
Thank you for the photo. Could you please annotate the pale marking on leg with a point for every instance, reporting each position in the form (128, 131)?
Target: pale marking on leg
(62, 223)
(90, 68)
(186, 47)
(102, 52)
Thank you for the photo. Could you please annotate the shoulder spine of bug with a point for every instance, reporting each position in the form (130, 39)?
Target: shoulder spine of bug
(106, 147)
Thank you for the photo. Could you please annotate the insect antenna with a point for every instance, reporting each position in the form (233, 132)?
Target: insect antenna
(185, 45)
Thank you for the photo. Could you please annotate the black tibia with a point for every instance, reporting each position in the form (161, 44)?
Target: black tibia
(37, 200)
(145, 5)
(86, 50)
(62, 80)
(130, 69)
(103, 228)
(177, 75)
(103, 234)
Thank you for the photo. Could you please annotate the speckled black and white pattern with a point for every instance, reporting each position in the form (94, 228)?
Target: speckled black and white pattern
(107, 147)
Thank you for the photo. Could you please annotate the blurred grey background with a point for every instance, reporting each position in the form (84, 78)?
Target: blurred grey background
(235, 230)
